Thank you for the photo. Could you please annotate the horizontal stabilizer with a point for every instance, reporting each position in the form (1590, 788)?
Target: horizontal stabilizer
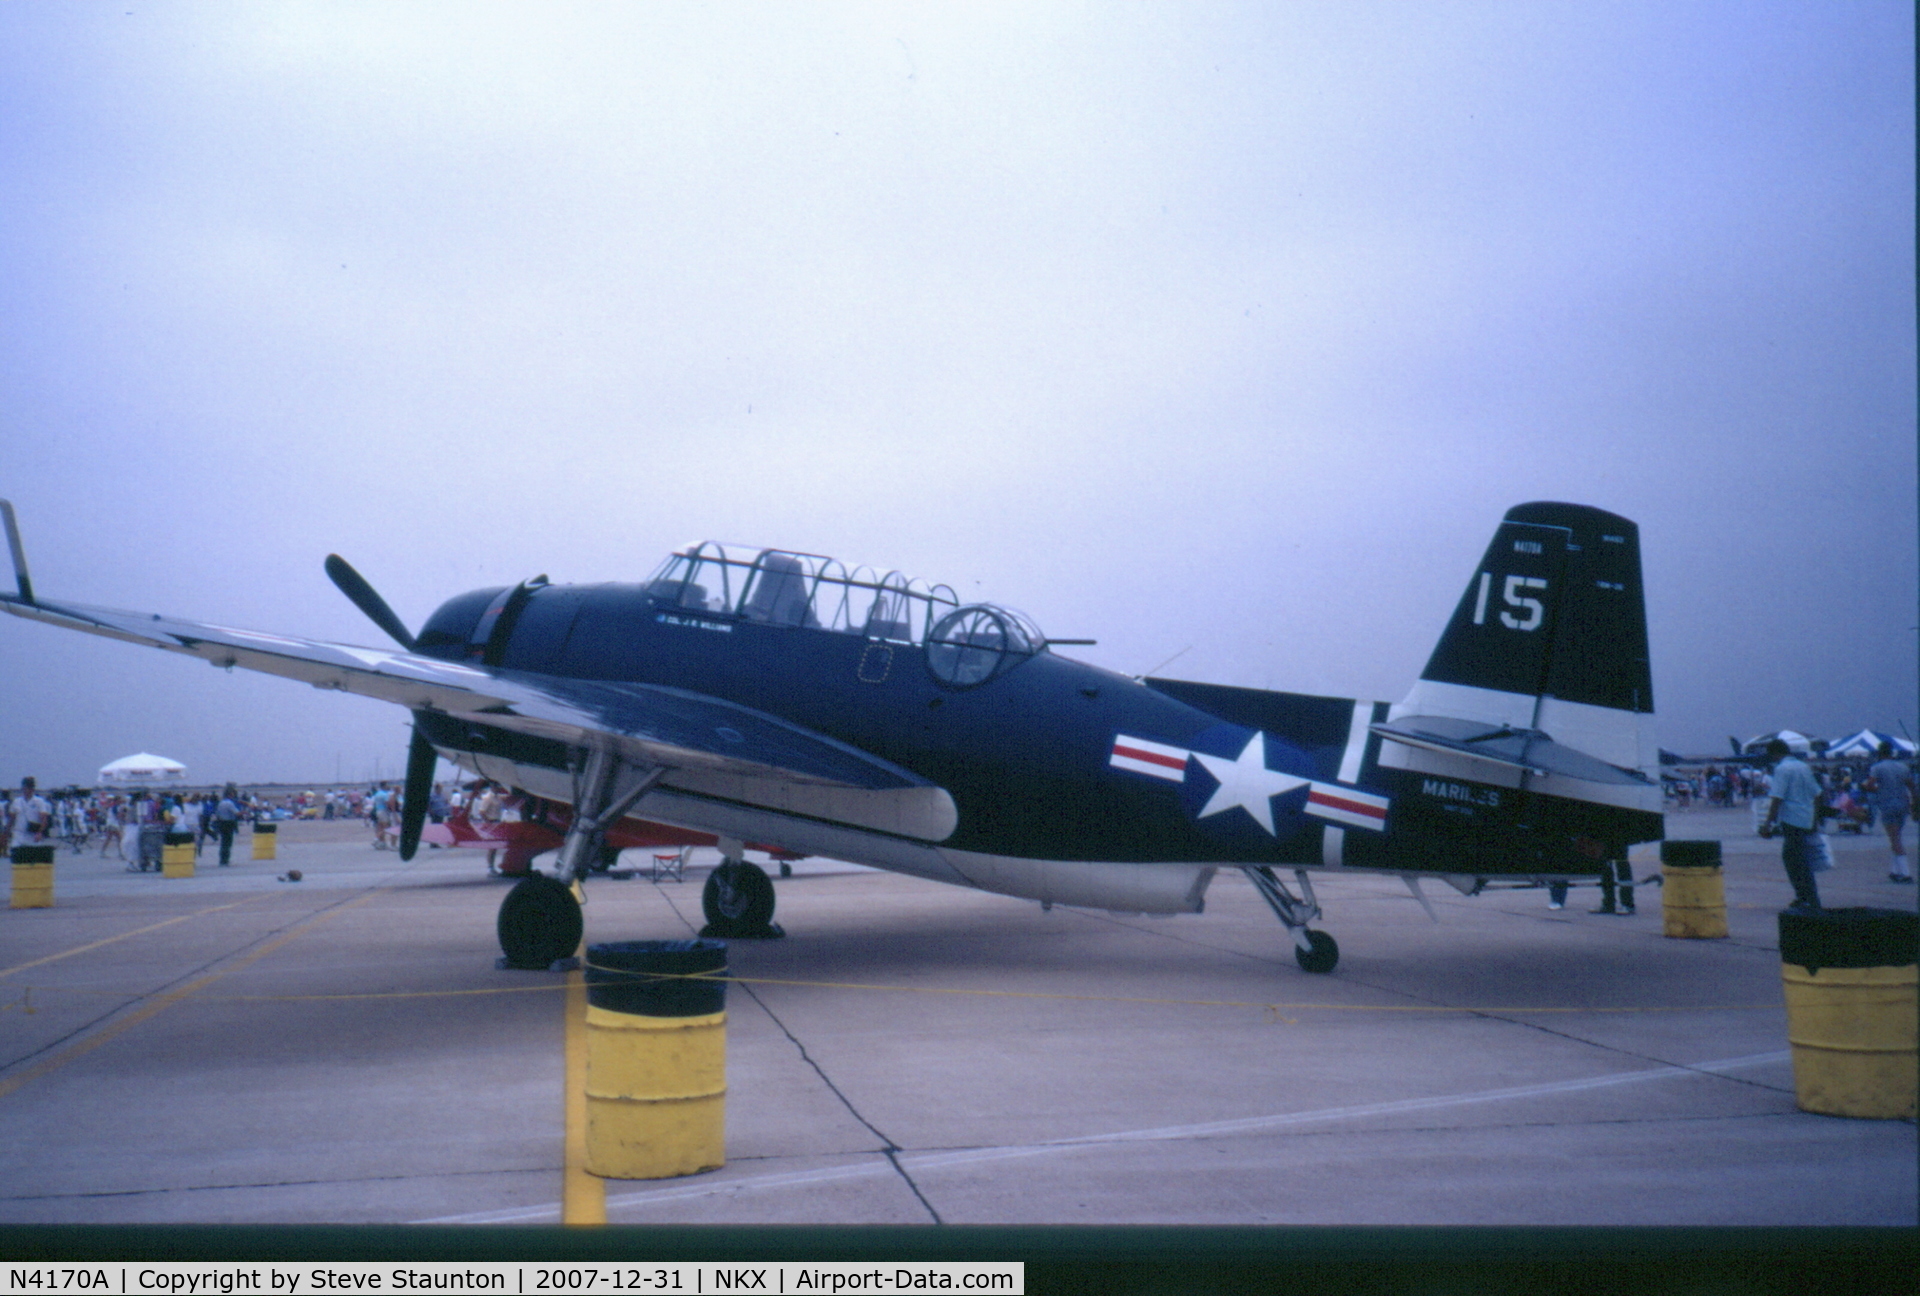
(1524, 749)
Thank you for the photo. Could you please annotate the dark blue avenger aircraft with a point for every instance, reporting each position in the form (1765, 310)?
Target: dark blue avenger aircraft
(783, 699)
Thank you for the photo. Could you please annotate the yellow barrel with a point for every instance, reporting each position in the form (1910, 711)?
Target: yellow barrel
(1693, 892)
(266, 841)
(176, 857)
(656, 1058)
(32, 877)
(1849, 977)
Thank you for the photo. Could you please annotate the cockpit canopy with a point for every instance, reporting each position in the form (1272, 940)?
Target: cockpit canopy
(965, 645)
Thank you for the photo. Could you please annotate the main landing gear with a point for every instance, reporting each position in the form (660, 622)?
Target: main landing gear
(738, 899)
(1314, 951)
(540, 921)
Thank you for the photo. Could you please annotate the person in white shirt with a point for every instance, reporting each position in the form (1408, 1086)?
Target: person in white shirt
(29, 816)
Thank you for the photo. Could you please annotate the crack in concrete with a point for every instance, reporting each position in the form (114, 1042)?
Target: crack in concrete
(889, 1149)
(1483, 1014)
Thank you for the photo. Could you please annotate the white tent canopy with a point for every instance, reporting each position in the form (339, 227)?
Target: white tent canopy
(143, 770)
(1797, 743)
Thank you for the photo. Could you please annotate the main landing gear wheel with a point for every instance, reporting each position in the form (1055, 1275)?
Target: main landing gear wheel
(1321, 958)
(738, 902)
(539, 922)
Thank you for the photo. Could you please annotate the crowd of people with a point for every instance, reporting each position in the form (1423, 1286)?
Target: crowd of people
(1801, 799)
(1714, 785)
(1845, 795)
(133, 824)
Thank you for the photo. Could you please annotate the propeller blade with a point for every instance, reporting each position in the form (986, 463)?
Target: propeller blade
(354, 586)
(413, 805)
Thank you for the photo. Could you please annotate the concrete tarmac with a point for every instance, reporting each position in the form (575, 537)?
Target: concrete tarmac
(231, 1048)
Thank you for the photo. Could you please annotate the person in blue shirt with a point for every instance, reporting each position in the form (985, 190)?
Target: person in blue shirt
(226, 821)
(1790, 808)
(1891, 784)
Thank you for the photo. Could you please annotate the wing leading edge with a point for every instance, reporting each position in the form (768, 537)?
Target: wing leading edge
(707, 747)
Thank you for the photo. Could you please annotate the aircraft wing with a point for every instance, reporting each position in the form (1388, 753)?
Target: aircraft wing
(707, 746)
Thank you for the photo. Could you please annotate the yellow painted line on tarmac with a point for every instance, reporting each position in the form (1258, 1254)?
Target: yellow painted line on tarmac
(583, 1197)
(82, 949)
(84, 1046)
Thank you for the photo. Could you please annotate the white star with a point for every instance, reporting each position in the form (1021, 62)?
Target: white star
(1248, 783)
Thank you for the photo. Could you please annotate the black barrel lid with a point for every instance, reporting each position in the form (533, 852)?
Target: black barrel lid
(1690, 854)
(658, 978)
(1849, 938)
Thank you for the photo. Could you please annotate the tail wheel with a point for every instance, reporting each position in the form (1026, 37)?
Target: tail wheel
(738, 895)
(539, 922)
(1321, 958)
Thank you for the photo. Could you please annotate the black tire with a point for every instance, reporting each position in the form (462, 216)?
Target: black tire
(539, 922)
(738, 897)
(1322, 957)
(608, 857)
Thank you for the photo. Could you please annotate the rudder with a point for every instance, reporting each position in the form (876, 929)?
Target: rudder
(1556, 609)
(1541, 682)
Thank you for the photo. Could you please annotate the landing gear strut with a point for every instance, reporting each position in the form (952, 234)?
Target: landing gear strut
(738, 899)
(1314, 951)
(540, 921)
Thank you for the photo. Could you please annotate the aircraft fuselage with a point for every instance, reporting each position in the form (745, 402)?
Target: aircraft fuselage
(1046, 758)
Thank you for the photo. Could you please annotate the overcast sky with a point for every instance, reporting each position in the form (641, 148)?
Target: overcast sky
(1212, 330)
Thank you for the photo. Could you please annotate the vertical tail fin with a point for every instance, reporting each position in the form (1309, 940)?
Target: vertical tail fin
(1556, 609)
(1550, 638)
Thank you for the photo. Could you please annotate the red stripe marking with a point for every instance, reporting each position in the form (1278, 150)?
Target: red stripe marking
(1154, 758)
(1352, 807)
